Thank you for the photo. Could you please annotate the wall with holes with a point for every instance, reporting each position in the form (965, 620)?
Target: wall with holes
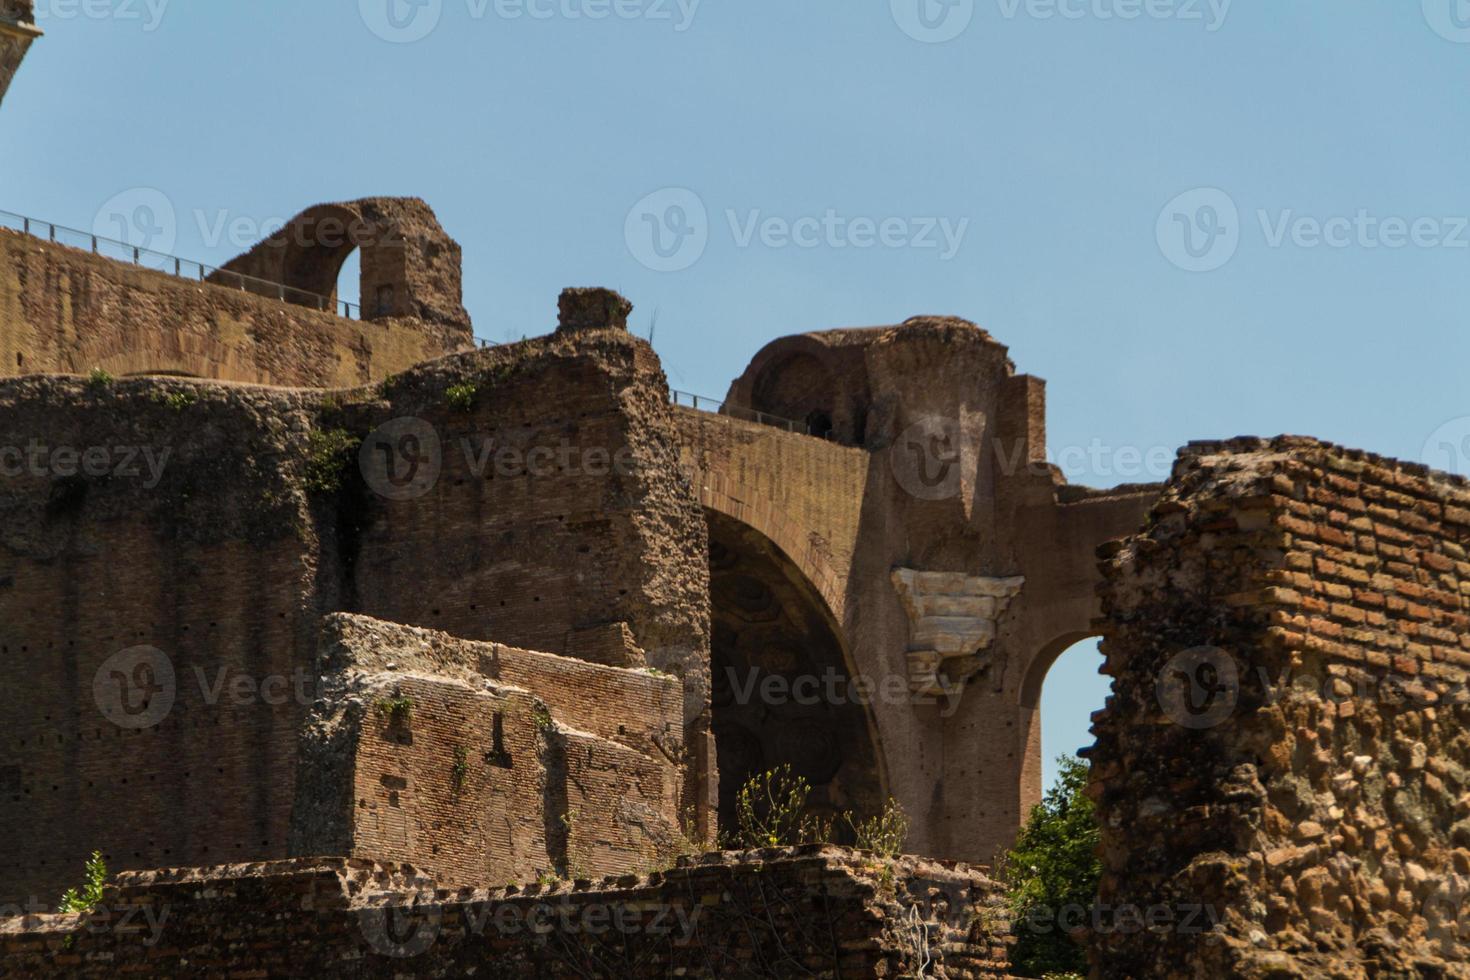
(168, 548)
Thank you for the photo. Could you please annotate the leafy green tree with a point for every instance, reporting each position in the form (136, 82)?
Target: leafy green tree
(1052, 876)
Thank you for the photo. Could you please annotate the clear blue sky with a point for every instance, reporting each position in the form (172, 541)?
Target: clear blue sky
(1055, 143)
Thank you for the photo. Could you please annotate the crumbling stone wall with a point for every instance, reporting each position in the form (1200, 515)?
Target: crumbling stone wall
(66, 311)
(257, 516)
(1286, 740)
(482, 763)
(17, 31)
(761, 914)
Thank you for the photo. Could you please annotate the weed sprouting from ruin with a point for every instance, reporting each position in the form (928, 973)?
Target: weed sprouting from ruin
(178, 400)
(327, 456)
(89, 896)
(459, 772)
(398, 708)
(884, 834)
(100, 378)
(770, 810)
(461, 397)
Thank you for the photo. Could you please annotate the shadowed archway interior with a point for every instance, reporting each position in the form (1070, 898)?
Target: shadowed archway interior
(782, 692)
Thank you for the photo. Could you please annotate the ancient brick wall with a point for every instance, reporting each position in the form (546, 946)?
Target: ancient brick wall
(214, 525)
(480, 763)
(763, 914)
(66, 311)
(1286, 741)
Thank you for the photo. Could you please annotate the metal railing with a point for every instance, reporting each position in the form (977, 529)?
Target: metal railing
(716, 406)
(188, 269)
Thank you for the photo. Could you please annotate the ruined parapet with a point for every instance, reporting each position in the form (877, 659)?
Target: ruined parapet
(17, 31)
(129, 320)
(1281, 771)
(821, 911)
(592, 309)
(410, 267)
(479, 763)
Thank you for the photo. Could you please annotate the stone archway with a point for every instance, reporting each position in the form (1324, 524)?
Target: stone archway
(782, 691)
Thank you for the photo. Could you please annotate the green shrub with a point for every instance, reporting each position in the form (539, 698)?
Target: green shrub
(328, 454)
(1053, 867)
(90, 895)
(769, 812)
(100, 378)
(398, 708)
(461, 397)
(884, 834)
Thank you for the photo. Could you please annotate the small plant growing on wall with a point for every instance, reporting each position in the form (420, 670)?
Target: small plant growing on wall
(178, 400)
(770, 811)
(100, 378)
(461, 397)
(460, 771)
(398, 708)
(89, 896)
(884, 834)
(541, 715)
(327, 456)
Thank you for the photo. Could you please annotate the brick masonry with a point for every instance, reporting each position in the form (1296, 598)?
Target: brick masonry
(223, 561)
(763, 914)
(1285, 743)
(66, 311)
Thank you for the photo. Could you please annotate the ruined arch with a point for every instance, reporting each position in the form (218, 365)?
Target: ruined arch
(781, 686)
(410, 267)
(1030, 716)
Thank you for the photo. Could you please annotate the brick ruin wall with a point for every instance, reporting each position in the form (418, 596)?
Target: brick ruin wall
(801, 912)
(1287, 744)
(224, 556)
(67, 311)
(507, 765)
